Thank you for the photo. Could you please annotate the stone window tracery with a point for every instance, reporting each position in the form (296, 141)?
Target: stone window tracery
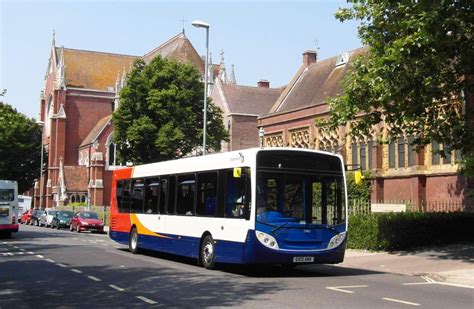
(274, 140)
(328, 140)
(300, 138)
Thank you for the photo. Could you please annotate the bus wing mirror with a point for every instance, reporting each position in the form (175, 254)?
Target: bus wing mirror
(237, 172)
(358, 177)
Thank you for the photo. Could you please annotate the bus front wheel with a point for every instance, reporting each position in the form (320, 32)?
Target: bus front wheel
(133, 241)
(207, 253)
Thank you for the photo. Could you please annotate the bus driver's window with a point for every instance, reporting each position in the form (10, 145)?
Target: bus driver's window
(238, 193)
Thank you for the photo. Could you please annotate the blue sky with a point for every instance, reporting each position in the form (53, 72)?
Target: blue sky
(263, 39)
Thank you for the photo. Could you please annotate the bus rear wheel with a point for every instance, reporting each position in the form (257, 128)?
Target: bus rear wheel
(207, 252)
(133, 241)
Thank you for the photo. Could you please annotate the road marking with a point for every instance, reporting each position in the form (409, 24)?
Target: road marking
(341, 288)
(456, 285)
(401, 301)
(428, 279)
(92, 241)
(94, 278)
(16, 247)
(118, 247)
(29, 252)
(77, 271)
(49, 260)
(116, 288)
(419, 283)
(75, 238)
(104, 245)
(23, 249)
(40, 256)
(146, 300)
(61, 265)
(84, 240)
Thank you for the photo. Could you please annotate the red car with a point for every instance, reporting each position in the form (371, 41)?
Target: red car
(86, 221)
(26, 216)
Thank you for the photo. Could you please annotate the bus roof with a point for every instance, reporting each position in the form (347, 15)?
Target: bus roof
(214, 161)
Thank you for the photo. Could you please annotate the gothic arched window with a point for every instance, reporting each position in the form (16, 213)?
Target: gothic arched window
(49, 114)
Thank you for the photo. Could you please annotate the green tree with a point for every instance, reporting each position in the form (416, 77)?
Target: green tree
(417, 71)
(160, 116)
(20, 147)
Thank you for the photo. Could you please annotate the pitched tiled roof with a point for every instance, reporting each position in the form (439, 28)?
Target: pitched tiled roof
(313, 85)
(178, 48)
(245, 99)
(93, 70)
(95, 132)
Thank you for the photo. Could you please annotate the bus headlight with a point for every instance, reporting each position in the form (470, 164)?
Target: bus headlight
(267, 240)
(336, 240)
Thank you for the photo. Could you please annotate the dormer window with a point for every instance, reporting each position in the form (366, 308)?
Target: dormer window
(342, 59)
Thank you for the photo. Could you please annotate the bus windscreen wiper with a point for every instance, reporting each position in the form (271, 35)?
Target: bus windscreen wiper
(280, 226)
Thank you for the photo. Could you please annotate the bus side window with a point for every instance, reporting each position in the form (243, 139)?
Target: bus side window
(126, 195)
(163, 194)
(152, 194)
(118, 194)
(171, 195)
(138, 196)
(207, 194)
(186, 194)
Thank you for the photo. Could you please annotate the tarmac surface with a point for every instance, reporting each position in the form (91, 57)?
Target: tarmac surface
(453, 264)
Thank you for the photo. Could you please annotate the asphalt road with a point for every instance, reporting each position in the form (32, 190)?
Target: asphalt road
(44, 268)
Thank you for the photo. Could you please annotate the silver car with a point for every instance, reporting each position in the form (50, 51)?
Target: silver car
(47, 217)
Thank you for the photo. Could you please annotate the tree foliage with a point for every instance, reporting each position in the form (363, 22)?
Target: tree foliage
(20, 147)
(416, 73)
(160, 116)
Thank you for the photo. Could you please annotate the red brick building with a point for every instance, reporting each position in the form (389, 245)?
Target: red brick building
(79, 96)
(398, 173)
(241, 106)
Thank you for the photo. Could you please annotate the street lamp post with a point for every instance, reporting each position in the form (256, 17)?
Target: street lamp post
(201, 24)
(41, 124)
(261, 135)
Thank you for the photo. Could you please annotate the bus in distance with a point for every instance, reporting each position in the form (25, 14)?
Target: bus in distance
(8, 207)
(255, 206)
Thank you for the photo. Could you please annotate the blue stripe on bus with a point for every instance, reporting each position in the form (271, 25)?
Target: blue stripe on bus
(250, 252)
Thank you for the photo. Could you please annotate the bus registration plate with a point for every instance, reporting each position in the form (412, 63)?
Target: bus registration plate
(303, 259)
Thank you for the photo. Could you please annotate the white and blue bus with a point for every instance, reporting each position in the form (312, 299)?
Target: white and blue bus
(8, 207)
(256, 206)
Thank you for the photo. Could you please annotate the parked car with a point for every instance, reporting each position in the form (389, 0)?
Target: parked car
(61, 219)
(47, 217)
(25, 218)
(86, 221)
(35, 216)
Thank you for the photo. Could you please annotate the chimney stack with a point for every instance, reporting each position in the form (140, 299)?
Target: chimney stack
(309, 57)
(263, 83)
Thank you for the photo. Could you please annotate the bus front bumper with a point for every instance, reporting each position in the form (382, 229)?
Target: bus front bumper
(257, 253)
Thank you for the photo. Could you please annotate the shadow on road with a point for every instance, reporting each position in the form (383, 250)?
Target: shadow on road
(458, 252)
(268, 271)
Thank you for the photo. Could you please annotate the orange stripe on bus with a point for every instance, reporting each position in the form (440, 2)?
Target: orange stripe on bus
(141, 229)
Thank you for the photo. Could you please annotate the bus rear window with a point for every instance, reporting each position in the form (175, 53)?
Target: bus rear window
(7, 195)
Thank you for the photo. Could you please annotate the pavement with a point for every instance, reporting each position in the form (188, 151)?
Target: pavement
(453, 264)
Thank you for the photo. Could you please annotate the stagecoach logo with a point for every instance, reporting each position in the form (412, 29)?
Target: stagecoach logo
(239, 158)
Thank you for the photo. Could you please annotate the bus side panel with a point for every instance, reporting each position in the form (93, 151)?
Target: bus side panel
(226, 251)
(120, 223)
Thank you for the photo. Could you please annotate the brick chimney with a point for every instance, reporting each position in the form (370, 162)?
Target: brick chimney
(309, 57)
(263, 83)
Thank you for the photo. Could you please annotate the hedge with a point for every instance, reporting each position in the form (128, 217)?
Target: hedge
(401, 231)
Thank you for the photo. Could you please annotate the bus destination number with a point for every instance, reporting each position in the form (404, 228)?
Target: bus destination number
(303, 259)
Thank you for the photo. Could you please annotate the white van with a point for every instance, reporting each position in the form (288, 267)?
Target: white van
(24, 203)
